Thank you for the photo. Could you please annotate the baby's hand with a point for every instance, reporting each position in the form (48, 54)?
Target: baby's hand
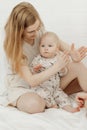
(37, 68)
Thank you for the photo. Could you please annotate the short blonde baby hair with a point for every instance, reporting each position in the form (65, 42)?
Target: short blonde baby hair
(52, 35)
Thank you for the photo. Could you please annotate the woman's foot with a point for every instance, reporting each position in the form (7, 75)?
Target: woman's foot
(71, 109)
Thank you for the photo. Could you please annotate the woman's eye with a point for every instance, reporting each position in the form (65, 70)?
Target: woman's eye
(31, 32)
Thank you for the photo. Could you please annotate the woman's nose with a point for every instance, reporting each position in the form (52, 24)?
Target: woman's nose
(36, 32)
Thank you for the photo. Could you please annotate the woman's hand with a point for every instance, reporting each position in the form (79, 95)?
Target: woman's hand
(80, 98)
(78, 55)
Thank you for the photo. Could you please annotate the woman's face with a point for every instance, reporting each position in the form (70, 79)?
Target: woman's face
(30, 32)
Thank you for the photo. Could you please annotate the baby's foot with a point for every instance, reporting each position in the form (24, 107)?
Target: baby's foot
(54, 106)
(71, 109)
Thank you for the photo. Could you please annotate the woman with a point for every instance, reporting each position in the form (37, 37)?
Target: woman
(23, 31)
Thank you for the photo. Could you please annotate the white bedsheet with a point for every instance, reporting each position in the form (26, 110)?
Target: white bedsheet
(51, 119)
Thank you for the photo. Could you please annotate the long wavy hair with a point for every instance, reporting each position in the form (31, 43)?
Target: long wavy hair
(23, 15)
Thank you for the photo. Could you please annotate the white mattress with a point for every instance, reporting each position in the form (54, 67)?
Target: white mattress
(51, 119)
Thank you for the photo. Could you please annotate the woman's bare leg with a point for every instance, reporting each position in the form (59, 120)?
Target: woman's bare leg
(76, 70)
(31, 103)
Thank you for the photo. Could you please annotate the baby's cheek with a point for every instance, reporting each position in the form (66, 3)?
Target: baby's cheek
(85, 104)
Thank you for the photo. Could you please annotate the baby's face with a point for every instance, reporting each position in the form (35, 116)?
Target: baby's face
(48, 47)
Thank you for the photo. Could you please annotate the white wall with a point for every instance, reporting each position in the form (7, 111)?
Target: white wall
(68, 18)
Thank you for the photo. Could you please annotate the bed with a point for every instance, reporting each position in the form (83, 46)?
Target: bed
(51, 119)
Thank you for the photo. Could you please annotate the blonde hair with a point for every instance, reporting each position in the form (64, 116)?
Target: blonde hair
(52, 35)
(22, 16)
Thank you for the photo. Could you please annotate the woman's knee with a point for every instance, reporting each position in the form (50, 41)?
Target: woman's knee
(31, 103)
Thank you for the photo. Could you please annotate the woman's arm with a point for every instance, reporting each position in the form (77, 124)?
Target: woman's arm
(36, 79)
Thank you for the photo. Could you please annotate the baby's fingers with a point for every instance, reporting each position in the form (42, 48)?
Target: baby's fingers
(82, 49)
(66, 58)
(66, 53)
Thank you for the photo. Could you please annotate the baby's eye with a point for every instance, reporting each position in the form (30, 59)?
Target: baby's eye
(50, 45)
(42, 46)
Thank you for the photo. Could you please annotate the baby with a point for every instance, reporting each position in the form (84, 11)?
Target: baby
(50, 90)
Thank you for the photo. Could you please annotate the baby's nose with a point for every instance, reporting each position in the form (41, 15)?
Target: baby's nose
(46, 48)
